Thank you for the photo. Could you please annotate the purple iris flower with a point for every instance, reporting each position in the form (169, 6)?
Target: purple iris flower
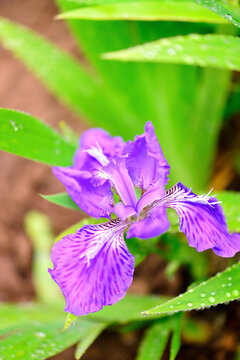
(93, 267)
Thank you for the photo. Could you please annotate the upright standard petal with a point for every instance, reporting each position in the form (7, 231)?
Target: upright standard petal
(145, 161)
(93, 268)
(202, 220)
(118, 175)
(94, 199)
(110, 146)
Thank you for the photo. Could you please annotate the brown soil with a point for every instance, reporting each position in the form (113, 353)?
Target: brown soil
(21, 181)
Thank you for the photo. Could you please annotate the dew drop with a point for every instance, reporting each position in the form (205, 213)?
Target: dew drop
(178, 47)
(15, 127)
(211, 299)
(203, 295)
(202, 304)
(229, 278)
(40, 334)
(165, 42)
(191, 290)
(235, 292)
(213, 293)
(171, 52)
(228, 17)
(223, 285)
(230, 284)
(228, 294)
(194, 36)
(204, 47)
(189, 304)
(188, 59)
(171, 306)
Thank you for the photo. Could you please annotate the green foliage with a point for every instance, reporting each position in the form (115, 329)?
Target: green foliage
(230, 203)
(130, 308)
(176, 338)
(76, 87)
(218, 51)
(166, 10)
(62, 199)
(88, 339)
(154, 342)
(42, 341)
(223, 287)
(38, 228)
(24, 135)
(224, 8)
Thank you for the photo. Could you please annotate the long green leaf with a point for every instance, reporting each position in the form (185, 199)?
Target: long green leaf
(224, 9)
(25, 314)
(176, 337)
(166, 10)
(42, 341)
(80, 89)
(88, 339)
(218, 51)
(61, 199)
(223, 287)
(154, 341)
(24, 135)
(39, 230)
(230, 203)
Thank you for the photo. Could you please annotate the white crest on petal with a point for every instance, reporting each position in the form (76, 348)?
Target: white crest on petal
(97, 153)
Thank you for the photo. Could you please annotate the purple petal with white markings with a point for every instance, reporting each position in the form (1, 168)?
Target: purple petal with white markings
(94, 199)
(111, 146)
(202, 220)
(93, 267)
(145, 161)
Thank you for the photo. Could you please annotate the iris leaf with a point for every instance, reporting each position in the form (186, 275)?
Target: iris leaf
(230, 201)
(176, 337)
(61, 199)
(154, 341)
(43, 341)
(88, 339)
(223, 287)
(224, 8)
(76, 86)
(217, 51)
(24, 135)
(165, 10)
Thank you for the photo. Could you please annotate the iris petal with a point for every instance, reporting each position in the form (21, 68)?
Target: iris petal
(93, 267)
(145, 161)
(111, 146)
(154, 225)
(96, 199)
(202, 220)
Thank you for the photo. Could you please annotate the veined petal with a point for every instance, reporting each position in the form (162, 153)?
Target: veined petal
(96, 199)
(153, 225)
(202, 220)
(145, 161)
(93, 267)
